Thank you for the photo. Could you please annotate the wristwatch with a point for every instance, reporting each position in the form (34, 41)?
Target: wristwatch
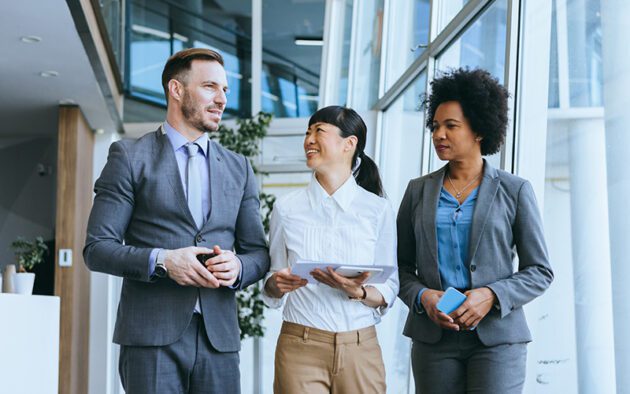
(362, 297)
(160, 270)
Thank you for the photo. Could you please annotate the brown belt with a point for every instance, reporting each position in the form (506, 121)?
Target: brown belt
(318, 335)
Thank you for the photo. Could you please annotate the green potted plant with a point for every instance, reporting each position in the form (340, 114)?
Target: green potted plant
(28, 254)
(245, 139)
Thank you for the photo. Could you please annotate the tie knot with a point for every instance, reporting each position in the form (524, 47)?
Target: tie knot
(193, 148)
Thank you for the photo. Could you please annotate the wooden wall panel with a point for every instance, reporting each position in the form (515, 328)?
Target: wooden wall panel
(72, 284)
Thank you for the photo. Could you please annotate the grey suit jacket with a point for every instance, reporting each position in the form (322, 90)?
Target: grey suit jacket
(139, 205)
(505, 220)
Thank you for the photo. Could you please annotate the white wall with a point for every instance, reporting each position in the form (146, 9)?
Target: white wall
(27, 199)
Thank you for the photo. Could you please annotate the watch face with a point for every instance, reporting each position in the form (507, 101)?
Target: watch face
(160, 271)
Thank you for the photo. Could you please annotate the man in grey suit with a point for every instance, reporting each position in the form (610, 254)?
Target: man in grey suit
(170, 209)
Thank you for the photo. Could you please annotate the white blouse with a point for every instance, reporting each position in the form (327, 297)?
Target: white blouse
(351, 227)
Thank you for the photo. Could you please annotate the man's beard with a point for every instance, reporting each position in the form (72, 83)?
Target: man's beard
(194, 116)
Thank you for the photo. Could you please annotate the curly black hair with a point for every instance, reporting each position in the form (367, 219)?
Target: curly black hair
(482, 98)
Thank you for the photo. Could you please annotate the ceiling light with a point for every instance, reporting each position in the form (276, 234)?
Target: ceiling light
(99, 131)
(30, 39)
(49, 74)
(67, 101)
(309, 41)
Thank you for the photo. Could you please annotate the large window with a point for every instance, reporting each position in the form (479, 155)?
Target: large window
(401, 140)
(585, 183)
(160, 28)
(292, 56)
(482, 45)
(408, 36)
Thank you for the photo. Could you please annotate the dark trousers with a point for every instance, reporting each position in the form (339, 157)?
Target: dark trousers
(189, 365)
(460, 363)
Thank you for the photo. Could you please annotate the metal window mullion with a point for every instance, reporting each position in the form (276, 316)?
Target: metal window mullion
(426, 135)
(256, 57)
(509, 81)
(563, 53)
(354, 50)
(470, 11)
(387, 14)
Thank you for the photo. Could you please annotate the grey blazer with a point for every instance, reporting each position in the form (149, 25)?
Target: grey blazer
(139, 205)
(505, 220)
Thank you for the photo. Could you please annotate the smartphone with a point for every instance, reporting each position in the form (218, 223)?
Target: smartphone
(451, 300)
(351, 271)
(203, 257)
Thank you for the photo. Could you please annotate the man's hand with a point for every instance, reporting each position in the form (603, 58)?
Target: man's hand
(282, 282)
(429, 301)
(183, 267)
(351, 286)
(225, 266)
(477, 305)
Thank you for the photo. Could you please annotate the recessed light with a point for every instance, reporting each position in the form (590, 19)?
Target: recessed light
(49, 74)
(30, 39)
(67, 101)
(100, 131)
(309, 41)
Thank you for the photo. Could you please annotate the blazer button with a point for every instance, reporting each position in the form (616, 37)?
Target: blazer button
(473, 267)
(199, 238)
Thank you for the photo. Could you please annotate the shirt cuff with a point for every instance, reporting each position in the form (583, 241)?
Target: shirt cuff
(271, 302)
(237, 284)
(153, 260)
(388, 296)
(419, 309)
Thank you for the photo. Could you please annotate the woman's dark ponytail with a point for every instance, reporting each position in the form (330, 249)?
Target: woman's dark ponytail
(350, 123)
(367, 176)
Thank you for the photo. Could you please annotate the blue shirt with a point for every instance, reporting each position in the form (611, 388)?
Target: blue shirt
(453, 223)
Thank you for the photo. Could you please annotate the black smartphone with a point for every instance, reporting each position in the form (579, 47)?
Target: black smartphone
(203, 257)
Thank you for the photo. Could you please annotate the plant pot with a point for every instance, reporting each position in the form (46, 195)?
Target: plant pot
(23, 283)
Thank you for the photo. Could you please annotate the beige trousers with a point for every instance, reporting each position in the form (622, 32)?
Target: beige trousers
(313, 361)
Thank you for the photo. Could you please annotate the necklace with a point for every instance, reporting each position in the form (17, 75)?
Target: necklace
(458, 193)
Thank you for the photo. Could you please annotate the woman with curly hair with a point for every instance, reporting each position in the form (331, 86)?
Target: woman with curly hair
(459, 227)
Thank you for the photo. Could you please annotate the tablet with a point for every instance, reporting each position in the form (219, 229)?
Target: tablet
(380, 273)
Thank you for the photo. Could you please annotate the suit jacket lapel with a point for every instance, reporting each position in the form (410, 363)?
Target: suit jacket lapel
(485, 199)
(172, 174)
(430, 198)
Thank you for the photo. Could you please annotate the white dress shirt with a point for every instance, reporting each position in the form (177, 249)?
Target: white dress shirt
(351, 227)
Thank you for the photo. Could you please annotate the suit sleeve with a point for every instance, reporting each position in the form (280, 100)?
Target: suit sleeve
(250, 245)
(534, 273)
(114, 200)
(410, 285)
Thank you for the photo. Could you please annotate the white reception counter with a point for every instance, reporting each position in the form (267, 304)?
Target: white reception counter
(29, 344)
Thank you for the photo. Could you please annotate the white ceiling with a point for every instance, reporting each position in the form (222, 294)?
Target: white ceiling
(28, 102)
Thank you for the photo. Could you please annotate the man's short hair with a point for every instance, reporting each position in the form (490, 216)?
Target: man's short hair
(178, 65)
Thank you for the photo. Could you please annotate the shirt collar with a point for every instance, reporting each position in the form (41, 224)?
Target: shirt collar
(343, 196)
(178, 140)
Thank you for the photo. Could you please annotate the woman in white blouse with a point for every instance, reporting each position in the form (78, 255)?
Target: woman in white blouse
(328, 342)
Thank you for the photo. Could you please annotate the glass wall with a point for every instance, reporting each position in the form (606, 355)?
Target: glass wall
(292, 55)
(587, 145)
(482, 45)
(159, 29)
(408, 36)
(367, 54)
(401, 140)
